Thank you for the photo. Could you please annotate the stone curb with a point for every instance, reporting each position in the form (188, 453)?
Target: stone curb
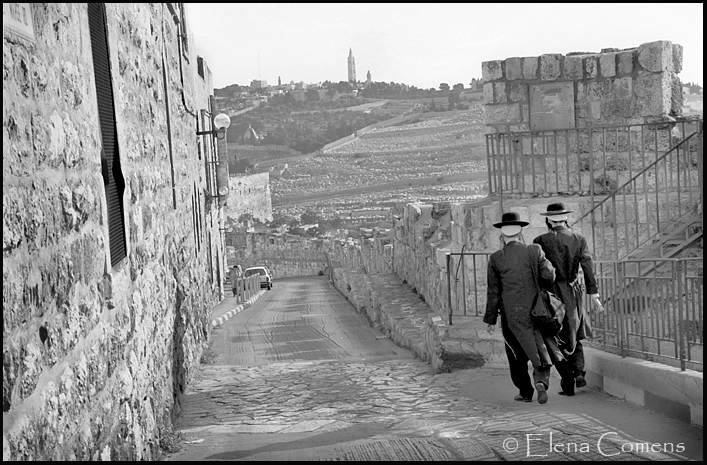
(648, 384)
(235, 310)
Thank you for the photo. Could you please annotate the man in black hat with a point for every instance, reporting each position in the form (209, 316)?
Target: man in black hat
(512, 288)
(567, 250)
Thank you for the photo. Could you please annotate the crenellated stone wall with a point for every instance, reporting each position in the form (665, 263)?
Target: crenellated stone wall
(96, 357)
(614, 86)
(250, 194)
(286, 255)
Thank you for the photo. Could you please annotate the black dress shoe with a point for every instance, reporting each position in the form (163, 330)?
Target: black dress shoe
(542, 393)
(567, 388)
(580, 382)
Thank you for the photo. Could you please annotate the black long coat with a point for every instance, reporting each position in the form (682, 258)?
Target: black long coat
(568, 251)
(512, 290)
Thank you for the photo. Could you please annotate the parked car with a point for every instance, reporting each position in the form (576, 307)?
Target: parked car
(265, 276)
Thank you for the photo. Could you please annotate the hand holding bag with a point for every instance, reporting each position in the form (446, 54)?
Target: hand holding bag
(548, 311)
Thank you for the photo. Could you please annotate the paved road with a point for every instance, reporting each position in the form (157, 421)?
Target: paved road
(301, 376)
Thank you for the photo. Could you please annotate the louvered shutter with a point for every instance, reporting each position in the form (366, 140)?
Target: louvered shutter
(112, 174)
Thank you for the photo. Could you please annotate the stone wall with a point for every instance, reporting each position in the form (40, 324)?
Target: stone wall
(416, 248)
(286, 255)
(612, 87)
(96, 357)
(249, 194)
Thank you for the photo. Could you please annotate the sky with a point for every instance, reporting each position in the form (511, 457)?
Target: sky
(423, 44)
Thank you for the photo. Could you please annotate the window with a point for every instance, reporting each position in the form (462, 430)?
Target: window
(110, 155)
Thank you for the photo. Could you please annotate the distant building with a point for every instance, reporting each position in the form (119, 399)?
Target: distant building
(368, 78)
(352, 67)
(258, 84)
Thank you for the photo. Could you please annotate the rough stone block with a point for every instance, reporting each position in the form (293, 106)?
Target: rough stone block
(514, 70)
(488, 93)
(677, 58)
(656, 56)
(676, 99)
(573, 67)
(550, 68)
(518, 91)
(625, 62)
(503, 114)
(499, 93)
(653, 94)
(607, 64)
(492, 70)
(616, 98)
(530, 68)
(590, 66)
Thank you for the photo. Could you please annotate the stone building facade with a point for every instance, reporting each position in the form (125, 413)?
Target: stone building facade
(628, 86)
(111, 261)
(249, 193)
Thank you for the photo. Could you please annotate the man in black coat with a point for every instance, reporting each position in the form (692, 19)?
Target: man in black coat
(567, 250)
(512, 288)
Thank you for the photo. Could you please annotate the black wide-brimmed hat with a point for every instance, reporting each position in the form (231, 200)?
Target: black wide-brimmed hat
(556, 209)
(511, 219)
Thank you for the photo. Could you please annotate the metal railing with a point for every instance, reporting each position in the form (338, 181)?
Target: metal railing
(662, 198)
(462, 275)
(583, 161)
(246, 287)
(644, 181)
(653, 310)
(653, 307)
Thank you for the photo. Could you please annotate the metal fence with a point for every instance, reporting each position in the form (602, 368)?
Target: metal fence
(653, 310)
(653, 307)
(586, 161)
(644, 182)
(245, 288)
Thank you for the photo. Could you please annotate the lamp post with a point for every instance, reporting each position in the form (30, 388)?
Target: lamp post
(220, 123)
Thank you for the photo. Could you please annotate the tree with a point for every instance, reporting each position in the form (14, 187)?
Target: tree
(312, 95)
(444, 86)
(459, 86)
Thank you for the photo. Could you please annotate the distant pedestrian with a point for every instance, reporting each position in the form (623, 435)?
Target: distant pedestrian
(235, 274)
(512, 288)
(567, 250)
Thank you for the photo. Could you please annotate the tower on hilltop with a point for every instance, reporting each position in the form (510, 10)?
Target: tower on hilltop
(368, 78)
(352, 68)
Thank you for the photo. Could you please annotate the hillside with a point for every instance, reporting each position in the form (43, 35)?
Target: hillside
(439, 157)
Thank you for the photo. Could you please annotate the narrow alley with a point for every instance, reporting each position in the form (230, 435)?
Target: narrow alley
(300, 375)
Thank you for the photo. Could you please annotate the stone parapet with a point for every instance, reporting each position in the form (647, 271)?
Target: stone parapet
(626, 86)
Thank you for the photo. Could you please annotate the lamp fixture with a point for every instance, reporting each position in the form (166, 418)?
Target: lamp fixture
(220, 122)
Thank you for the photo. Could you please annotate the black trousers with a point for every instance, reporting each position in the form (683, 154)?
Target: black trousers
(576, 361)
(518, 364)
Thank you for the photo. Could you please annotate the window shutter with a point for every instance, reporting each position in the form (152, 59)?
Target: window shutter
(110, 159)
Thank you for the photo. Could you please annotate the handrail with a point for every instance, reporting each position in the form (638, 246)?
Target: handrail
(633, 179)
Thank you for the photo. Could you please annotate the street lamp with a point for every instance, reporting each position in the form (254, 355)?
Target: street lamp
(221, 122)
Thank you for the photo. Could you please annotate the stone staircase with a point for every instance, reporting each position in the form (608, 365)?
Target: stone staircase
(402, 315)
